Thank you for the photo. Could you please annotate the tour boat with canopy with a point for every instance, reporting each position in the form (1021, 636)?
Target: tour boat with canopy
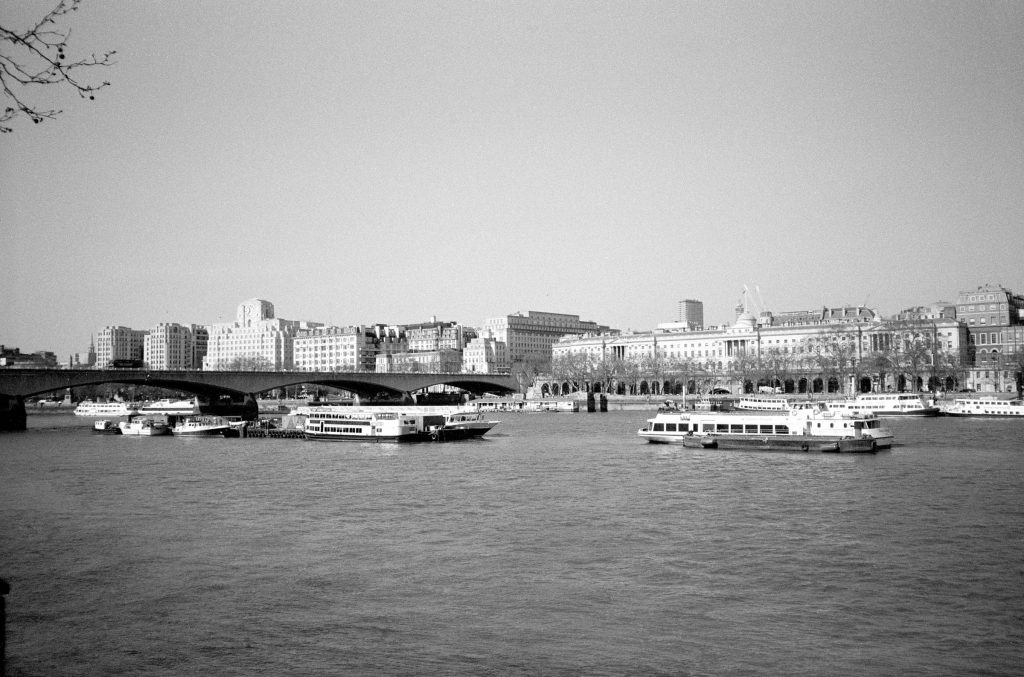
(804, 427)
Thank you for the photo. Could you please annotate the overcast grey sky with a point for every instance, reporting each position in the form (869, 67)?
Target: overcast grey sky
(357, 162)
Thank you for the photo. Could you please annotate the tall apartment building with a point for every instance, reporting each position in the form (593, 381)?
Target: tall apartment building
(336, 348)
(119, 343)
(533, 334)
(169, 345)
(255, 340)
(691, 314)
(994, 317)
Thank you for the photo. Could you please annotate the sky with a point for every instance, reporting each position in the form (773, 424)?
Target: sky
(389, 162)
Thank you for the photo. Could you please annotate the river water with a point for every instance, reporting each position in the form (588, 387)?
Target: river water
(560, 544)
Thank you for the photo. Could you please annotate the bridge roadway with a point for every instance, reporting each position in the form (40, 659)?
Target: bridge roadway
(17, 384)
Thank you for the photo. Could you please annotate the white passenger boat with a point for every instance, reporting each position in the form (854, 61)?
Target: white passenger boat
(394, 424)
(887, 404)
(805, 427)
(200, 425)
(986, 406)
(91, 408)
(762, 403)
(170, 407)
(553, 405)
(143, 427)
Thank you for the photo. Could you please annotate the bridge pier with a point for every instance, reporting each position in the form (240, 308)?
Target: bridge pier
(250, 408)
(12, 413)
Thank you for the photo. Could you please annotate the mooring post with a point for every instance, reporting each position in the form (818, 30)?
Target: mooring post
(4, 589)
(250, 408)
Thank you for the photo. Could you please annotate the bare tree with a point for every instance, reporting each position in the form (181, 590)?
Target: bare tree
(35, 57)
(574, 368)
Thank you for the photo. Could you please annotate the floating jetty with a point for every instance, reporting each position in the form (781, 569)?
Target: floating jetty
(277, 433)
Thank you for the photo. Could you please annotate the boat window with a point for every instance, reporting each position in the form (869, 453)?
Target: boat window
(782, 430)
(670, 427)
(659, 427)
(751, 428)
(767, 429)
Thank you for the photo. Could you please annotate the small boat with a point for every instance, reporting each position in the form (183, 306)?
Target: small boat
(198, 426)
(92, 408)
(143, 427)
(105, 426)
(460, 425)
(987, 407)
(887, 404)
(804, 427)
(394, 424)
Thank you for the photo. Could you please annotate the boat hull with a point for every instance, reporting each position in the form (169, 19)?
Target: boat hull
(352, 437)
(982, 415)
(462, 432)
(800, 443)
(144, 430)
(213, 431)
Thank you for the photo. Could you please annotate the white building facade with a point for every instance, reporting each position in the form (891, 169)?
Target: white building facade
(255, 340)
(485, 355)
(534, 334)
(169, 345)
(994, 317)
(805, 351)
(336, 349)
(119, 343)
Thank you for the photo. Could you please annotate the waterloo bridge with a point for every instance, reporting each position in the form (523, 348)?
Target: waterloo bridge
(232, 391)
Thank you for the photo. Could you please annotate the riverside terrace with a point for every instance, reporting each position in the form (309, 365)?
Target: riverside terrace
(241, 387)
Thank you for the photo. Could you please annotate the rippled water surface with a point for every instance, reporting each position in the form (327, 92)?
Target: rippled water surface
(561, 544)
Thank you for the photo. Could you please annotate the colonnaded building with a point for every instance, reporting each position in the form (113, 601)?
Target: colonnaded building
(977, 343)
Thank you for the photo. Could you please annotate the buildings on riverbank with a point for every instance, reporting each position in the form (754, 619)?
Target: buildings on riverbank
(975, 342)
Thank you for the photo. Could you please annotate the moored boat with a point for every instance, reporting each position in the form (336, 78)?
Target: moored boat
(462, 424)
(106, 427)
(394, 424)
(986, 406)
(553, 405)
(886, 404)
(92, 408)
(198, 426)
(143, 427)
(804, 427)
(171, 407)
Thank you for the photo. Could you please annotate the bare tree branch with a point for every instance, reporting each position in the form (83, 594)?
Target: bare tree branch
(36, 57)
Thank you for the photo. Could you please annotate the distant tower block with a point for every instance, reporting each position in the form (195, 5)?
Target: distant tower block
(691, 313)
